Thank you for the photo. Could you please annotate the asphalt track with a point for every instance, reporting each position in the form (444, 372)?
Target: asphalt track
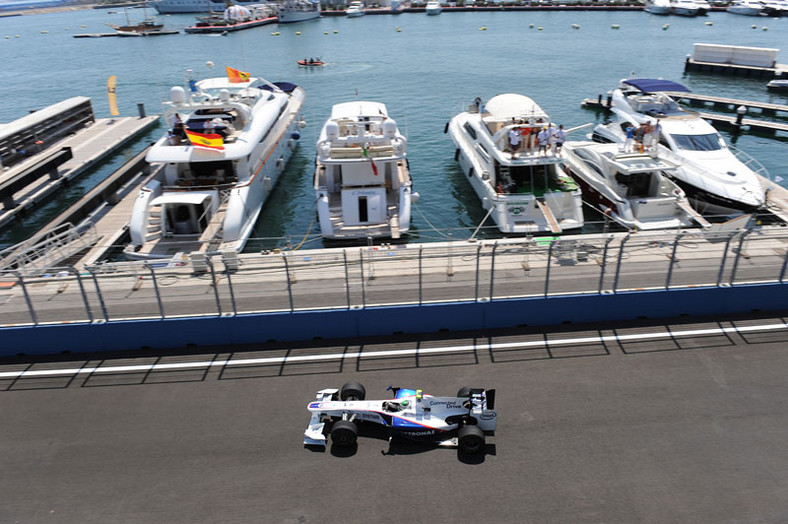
(678, 421)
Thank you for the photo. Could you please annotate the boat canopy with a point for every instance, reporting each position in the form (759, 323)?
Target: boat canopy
(353, 110)
(654, 85)
(510, 105)
(181, 197)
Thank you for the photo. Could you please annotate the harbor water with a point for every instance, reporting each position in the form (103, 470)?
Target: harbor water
(424, 68)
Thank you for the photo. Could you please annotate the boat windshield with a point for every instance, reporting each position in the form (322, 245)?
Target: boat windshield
(710, 142)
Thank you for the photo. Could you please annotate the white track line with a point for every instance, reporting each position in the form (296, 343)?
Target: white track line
(390, 353)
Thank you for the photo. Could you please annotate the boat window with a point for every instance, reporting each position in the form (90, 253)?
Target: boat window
(470, 130)
(710, 142)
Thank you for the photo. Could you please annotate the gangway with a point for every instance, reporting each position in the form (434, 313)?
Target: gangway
(48, 249)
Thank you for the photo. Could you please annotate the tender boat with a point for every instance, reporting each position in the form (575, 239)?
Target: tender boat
(433, 7)
(362, 178)
(715, 178)
(658, 7)
(311, 63)
(213, 184)
(778, 85)
(631, 188)
(745, 7)
(355, 9)
(292, 11)
(684, 7)
(525, 190)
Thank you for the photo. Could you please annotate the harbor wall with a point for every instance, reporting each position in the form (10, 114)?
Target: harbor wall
(230, 330)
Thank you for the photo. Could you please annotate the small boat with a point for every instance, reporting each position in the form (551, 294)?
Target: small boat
(228, 143)
(355, 9)
(633, 189)
(745, 7)
(524, 188)
(362, 177)
(778, 85)
(433, 7)
(311, 63)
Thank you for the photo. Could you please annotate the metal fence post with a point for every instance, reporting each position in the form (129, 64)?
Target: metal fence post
(29, 301)
(620, 258)
(673, 259)
(604, 264)
(347, 278)
(725, 257)
(421, 290)
(363, 291)
(215, 285)
(73, 270)
(156, 289)
(287, 276)
(98, 293)
(738, 255)
(785, 265)
(547, 269)
(492, 270)
(232, 291)
(478, 261)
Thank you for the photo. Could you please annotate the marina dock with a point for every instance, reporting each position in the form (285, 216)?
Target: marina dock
(229, 28)
(751, 123)
(104, 35)
(89, 145)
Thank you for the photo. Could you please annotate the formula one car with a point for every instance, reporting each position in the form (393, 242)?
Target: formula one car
(461, 421)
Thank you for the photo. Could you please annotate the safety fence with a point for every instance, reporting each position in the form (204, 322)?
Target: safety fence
(222, 284)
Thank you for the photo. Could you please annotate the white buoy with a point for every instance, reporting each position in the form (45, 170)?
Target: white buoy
(540, 28)
(531, 26)
(298, 33)
(765, 28)
(483, 28)
(615, 26)
(209, 64)
(709, 23)
(336, 31)
(44, 31)
(399, 29)
(575, 26)
(665, 27)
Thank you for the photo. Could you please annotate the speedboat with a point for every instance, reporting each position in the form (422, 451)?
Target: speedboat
(227, 145)
(777, 85)
(715, 178)
(524, 189)
(355, 9)
(631, 188)
(292, 11)
(658, 7)
(684, 7)
(745, 7)
(433, 7)
(362, 177)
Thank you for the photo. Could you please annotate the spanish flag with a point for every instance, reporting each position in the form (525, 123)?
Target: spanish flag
(211, 142)
(237, 77)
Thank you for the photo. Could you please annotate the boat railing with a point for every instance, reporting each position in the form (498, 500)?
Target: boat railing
(751, 163)
(48, 249)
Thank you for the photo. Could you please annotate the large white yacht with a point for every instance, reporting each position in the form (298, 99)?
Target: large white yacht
(212, 185)
(196, 6)
(713, 176)
(745, 7)
(355, 9)
(362, 178)
(433, 7)
(684, 7)
(525, 189)
(292, 11)
(631, 188)
(658, 7)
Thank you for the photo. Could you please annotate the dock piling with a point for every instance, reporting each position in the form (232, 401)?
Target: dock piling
(141, 109)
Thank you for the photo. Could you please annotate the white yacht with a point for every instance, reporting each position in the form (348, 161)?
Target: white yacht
(355, 9)
(362, 179)
(631, 188)
(433, 7)
(658, 7)
(396, 7)
(196, 6)
(292, 11)
(745, 7)
(212, 185)
(524, 189)
(713, 176)
(684, 7)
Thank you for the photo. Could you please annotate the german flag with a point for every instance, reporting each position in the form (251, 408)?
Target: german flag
(236, 76)
(212, 142)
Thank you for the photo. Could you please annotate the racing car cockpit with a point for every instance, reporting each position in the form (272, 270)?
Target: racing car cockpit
(393, 406)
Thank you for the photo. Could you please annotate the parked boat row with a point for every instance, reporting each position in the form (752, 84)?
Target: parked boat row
(229, 141)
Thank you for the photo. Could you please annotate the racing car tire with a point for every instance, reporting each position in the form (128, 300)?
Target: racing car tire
(464, 392)
(352, 391)
(344, 433)
(470, 440)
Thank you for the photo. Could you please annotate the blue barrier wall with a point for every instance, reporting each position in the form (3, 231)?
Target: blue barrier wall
(308, 325)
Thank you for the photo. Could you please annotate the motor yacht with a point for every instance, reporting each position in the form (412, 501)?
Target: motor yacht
(362, 178)
(227, 145)
(523, 188)
(197, 6)
(355, 9)
(292, 11)
(433, 7)
(745, 7)
(632, 188)
(658, 7)
(715, 178)
(684, 7)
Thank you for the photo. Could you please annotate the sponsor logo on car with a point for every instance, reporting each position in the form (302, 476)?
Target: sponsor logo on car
(488, 415)
(447, 404)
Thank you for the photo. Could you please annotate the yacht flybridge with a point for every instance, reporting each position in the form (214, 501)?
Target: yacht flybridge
(228, 143)
(362, 178)
(716, 179)
(524, 189)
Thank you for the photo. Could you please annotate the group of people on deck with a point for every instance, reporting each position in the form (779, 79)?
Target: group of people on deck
(643, 137)
(539, 136)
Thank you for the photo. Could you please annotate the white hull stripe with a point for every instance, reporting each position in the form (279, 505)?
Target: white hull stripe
(389, 353)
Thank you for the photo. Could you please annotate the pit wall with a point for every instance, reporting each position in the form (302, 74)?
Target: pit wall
(381, 321)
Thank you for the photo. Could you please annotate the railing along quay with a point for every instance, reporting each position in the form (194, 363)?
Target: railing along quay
(369, 277)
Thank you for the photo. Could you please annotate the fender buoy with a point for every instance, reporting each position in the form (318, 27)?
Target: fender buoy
(280, 164)
(446, 128)
(291, 144)
(456, 154)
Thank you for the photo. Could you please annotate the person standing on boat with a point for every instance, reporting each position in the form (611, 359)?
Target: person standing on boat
(514, 141)
(560, 137)
(544, 140)
(630, 134)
